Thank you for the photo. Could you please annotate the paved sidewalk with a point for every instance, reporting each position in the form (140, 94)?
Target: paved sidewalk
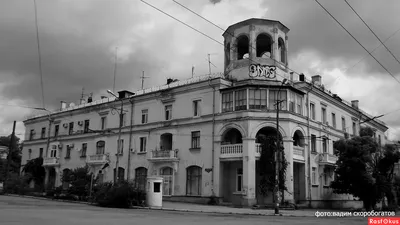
(189, 207)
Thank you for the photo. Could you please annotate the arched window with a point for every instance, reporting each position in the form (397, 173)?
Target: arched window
(141, 178)
(282, 50)
(298, 139)
(264, 46)
(228, 54)
(100, 147)
(193, 181)
(242, 47)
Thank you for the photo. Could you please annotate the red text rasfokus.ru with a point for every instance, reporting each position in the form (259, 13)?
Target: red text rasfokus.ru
(383, 220)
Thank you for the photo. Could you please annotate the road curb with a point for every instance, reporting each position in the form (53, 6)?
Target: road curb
(162, 208)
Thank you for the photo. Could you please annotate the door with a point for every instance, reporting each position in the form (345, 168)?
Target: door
(167, 173)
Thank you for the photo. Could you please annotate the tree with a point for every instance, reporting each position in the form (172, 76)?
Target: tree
(37, 171)
(267, 167)
(79, 180)
(364, 170)
(15, 155)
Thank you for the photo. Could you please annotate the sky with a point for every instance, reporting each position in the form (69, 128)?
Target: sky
(79, 41)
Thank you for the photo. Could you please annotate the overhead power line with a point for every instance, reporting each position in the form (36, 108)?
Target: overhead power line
(39, 53)
(372, 31)
(357, 41)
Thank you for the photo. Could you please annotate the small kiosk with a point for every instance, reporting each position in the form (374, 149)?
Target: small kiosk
(154, 191)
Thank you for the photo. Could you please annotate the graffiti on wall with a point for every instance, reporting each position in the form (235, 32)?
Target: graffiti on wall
(258, 70)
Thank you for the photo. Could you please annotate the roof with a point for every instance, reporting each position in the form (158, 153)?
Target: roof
(255, 21)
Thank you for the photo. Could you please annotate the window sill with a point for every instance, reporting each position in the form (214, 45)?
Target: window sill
(195, 149)
(314, 185)
(83, 156)
(326, 186)
(142, 153)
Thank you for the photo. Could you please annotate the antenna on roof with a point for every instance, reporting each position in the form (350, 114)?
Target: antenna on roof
(115, 67)
(83, 95)
(143, 77)
(210, 63)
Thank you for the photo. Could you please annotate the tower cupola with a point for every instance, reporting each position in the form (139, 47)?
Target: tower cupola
(256, 49)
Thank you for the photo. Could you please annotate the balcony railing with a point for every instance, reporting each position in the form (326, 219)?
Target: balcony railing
(165, 155)
(51, 161)
(327, 159)
(97, 159)
(232, 150)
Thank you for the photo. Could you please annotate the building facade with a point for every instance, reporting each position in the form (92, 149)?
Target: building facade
(202, 135)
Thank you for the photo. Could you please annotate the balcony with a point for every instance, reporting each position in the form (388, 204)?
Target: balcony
(231, 151)
(51, 161)
(298, 153)
(327, 159)
(97, 159)
(164, 155)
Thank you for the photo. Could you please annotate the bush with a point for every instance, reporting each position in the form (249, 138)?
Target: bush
(120, 195)
(16, 184)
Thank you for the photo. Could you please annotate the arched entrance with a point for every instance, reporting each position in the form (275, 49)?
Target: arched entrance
(263, 136)
(299, 169)
(167, 174)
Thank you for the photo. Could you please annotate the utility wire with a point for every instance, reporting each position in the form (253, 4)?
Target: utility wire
(205, 34)
(349, 68)
(357, 41)
(371, 30)
(39, 53)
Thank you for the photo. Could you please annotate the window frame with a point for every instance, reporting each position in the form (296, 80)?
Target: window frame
(256, 98)
(196, 108)
(168, 112)
(195, 139)
(142, 144)
(86, 126)
(333, 115)
(227, 101)
(145, 116)
(314, 176)
(240, 100)
(239, 178)
(312, 111)
(43, 133)
(84, 150)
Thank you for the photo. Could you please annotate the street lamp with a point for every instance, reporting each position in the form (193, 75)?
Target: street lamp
(277, 153)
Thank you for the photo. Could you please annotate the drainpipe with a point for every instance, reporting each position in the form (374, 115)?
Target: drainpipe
(130, 142)
(212, 139)
(309, 147)
(48, 137)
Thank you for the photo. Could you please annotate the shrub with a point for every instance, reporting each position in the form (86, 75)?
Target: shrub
(16, 184)
(122, 194)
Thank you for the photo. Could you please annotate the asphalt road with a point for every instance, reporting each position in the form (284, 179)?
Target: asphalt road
(18, 210)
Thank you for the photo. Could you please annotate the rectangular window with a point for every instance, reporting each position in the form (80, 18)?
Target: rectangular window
(196, 139)
(40, 152)
(31, 134)
(43, 134)
(53, 151)
(239, 180)
(120, 146)
(86, 127)
(354, 128)
(103, 123)
(273, 99)
(68, 153)
(143, 141)
(29, 154)
(257, 98)
(324, 145)
(323, 115)
(326, 177)
(84, 148)
(299, 104)
(196, 108)
(227, 102)
(71, 128)
(343, 124)
(312, 111)
(292, 102)
(333, 120)
(313, 143)
(145, 115)
(314, 176)
(168, 112)
(122, 119)
(56, 129)
(241, 100)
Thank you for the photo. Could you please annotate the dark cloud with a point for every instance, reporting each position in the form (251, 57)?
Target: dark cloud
(215, 1)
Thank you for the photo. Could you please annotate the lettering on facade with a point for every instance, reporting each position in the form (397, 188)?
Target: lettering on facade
(258, 70)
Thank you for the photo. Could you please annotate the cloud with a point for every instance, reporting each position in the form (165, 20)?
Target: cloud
(78, 41)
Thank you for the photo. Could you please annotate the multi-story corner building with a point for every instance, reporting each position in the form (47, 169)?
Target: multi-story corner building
(202, 135)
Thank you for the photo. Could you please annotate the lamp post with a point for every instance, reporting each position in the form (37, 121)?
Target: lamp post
(119, 135)
(277, 152)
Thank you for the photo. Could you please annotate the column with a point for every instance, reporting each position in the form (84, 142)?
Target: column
(217, 184)
(58, 177)
(252, 42)
(249, 172)
(288, 145)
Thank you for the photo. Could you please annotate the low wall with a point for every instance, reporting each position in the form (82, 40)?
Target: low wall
(333, 204)
(190, 199)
